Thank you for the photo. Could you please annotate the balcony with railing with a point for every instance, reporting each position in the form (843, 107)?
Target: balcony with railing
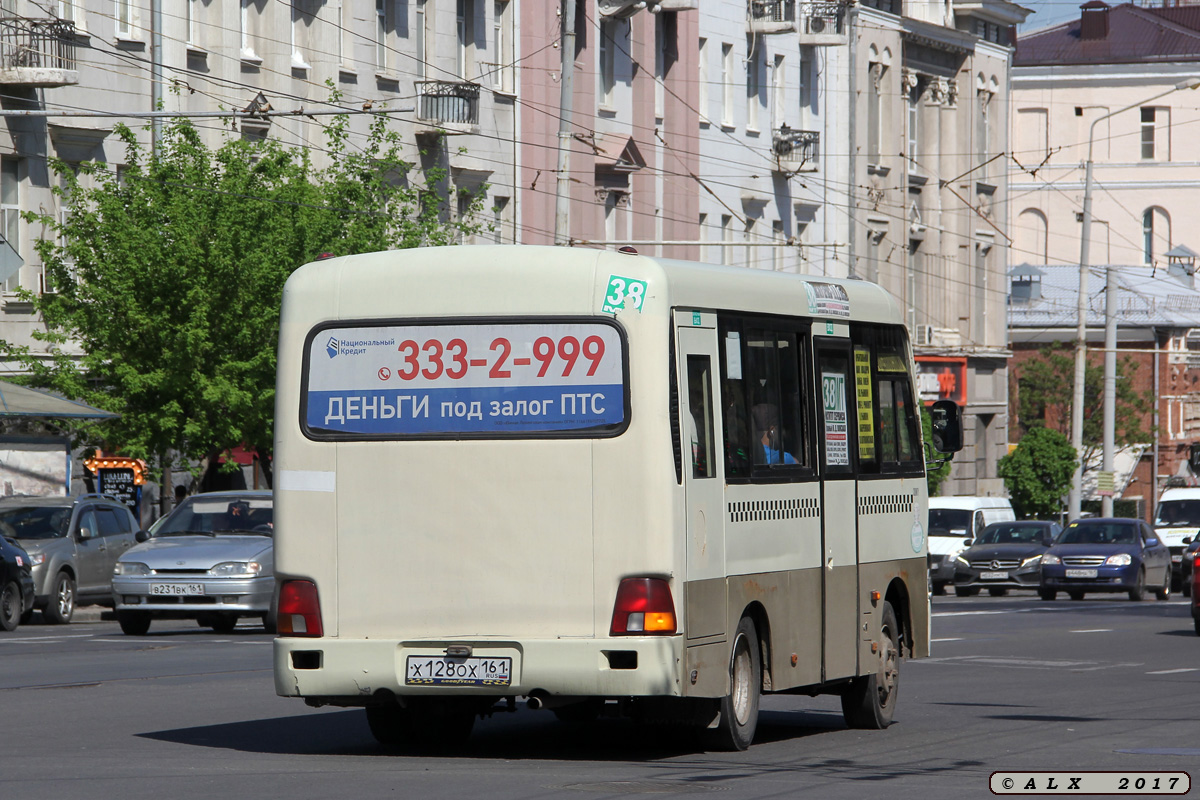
(822, 23)
(37, 52)
(772, 16)
(448, 106)
(796, 151)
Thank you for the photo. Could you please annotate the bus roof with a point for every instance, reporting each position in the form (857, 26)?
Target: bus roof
(400, 283)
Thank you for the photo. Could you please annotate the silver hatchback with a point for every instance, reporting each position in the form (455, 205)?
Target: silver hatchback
(73, 543)
(212, 559)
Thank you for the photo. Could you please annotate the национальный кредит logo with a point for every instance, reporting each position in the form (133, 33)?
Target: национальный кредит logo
(331, 347)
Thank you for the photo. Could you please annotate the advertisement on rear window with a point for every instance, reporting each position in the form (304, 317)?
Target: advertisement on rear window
(466, 379)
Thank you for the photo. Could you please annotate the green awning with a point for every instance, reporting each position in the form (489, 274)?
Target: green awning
(21, 401)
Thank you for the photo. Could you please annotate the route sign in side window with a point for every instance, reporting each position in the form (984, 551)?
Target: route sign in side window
(457, 379)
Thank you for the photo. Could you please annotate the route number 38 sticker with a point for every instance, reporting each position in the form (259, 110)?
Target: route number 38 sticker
(623, 293)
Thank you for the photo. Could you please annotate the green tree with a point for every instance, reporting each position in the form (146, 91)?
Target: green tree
(1045, 391)
(169, 275)
(1038, 473)
(934, 474)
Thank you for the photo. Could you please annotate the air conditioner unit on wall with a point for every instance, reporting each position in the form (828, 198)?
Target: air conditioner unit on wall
(925, 335)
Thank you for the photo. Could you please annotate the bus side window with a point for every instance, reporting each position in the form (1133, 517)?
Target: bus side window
(698, 420)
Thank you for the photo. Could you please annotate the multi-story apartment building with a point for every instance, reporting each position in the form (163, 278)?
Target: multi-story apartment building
(795, 135)
(1112, 86)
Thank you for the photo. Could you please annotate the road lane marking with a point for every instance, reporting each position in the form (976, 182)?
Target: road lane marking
(1173, 671)
(1093, 630)
(945, 640)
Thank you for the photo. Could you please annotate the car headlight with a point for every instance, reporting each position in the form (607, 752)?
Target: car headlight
(1119, 560)
(236, 569)
(130, 568)
(1032, 561)
(1049, 558)
(962, 561)
(37, 559)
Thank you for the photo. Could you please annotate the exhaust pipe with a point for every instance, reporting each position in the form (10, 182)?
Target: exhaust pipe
(536, 700)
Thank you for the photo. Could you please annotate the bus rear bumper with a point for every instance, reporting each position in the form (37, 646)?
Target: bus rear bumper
(351, 671)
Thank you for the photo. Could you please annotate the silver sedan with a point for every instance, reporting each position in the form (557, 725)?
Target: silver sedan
(211, 560)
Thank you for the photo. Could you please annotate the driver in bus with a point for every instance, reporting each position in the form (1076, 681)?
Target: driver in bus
(766, 429)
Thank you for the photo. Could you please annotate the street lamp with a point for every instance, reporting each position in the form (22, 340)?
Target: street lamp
(1110, 355)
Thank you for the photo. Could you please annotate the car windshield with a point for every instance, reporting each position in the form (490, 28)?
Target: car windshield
(219, 516)
(1011, 533)
(949, 521)
(1179, 514)
(1098, 533)
(34, 522)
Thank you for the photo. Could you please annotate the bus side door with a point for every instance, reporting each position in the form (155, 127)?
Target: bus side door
(839, 504)
(703, 463)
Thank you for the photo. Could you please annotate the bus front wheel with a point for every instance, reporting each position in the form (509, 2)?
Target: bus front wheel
(870, 700)
(739, 709)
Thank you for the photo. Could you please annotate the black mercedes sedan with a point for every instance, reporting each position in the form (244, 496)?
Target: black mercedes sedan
(1005, 555)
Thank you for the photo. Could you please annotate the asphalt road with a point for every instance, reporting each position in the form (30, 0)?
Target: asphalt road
(1014, 684)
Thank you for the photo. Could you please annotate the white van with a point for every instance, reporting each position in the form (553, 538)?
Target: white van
(1177, 521)
(953, 523)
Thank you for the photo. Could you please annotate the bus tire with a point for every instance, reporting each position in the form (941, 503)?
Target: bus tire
(870, 700)
(738, 717)
(390, 724)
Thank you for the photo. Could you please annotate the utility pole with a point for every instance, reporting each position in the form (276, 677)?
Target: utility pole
(562, 195)
(156, 69)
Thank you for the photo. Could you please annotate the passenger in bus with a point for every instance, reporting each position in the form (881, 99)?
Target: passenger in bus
(766, 429)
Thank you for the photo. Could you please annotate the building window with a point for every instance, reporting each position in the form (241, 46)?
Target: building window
(1148, 115)
(608, 61)
(423, 22)
(753, 81)
(875, 112)
(914, 124)
(10, 212)
(702, 52)
(465, 13)
(727, 68)
(381, 31)
(302, 18)
(66, 9)
(190, 9)
(778, 93)
(125, 19)
(984, 132)
(500, 222)
(248, 23)
(502, 24)
(1156, 234)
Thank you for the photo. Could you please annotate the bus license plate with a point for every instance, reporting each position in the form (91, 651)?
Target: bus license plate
(469, 671)
(177, 588)
(1082, 573)
(993, 576)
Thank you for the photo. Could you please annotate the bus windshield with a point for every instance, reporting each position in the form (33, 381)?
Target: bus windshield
(1178, 514)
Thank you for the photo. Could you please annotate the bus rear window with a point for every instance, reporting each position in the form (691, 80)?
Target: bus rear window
(465, 379)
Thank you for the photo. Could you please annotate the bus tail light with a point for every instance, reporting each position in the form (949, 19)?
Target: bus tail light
(299, 609)
(644, 606)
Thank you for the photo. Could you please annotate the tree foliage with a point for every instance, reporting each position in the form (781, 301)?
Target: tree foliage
(169, 274)
(1045, 392)
(934, 473)
(1038, 473)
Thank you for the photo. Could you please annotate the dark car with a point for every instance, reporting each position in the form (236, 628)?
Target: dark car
(1006, 555)
(1106, 554)
(1187, 561)
(1191, 556)
(16, 584)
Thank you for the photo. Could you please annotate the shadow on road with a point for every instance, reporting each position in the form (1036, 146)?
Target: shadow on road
(523, 735)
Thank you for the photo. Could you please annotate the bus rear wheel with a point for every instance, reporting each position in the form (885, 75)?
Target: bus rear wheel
(739, 709)
(869, 701)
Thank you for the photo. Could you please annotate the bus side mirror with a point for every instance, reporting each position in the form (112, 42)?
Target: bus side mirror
(947, 428)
